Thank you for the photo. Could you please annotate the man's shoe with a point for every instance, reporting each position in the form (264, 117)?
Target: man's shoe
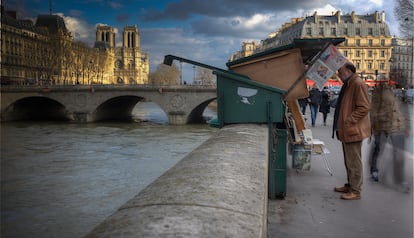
(344, 189)
(351, 196)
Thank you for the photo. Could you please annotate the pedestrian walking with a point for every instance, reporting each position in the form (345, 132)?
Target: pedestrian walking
(303, 102)
(352, 125)
(325, 106)
(389, 123)
(315, 97)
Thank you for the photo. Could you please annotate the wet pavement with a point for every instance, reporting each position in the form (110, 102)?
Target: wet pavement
(312, 209)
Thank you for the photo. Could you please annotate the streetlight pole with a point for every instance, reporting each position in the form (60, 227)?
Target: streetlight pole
(181, 73)
(194, 73)
(411, 48)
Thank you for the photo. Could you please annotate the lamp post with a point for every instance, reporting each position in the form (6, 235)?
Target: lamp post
(194, 76)
(181, 73)
(411, 49)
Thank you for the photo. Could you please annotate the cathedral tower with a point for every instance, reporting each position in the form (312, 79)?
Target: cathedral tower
(106, 35)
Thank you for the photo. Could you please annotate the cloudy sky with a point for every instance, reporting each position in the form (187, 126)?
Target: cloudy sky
(207, 31)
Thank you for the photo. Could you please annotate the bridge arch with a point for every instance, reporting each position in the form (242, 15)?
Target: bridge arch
(35, 108)
(117, 108)
(196, 115)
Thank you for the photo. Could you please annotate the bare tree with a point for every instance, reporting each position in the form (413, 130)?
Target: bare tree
(165, 75)
(404, 13)
(205, 76)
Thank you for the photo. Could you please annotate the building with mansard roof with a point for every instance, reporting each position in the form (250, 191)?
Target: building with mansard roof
(401, 69)
(367, 39)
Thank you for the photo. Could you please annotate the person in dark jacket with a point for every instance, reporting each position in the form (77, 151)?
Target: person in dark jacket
(303, 102)
(315, 97)
(325, 106)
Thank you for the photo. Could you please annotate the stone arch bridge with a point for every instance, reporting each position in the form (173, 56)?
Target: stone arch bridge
(79, 103)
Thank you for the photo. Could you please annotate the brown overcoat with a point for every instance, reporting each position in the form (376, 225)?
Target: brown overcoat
(353, 120)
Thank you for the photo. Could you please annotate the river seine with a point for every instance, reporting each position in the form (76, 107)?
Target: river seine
(61, 179)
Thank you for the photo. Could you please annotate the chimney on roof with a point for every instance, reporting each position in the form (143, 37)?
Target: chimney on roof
(315, 17)
(338, 16)
(353, 17)
(376, 16)
(383, 16)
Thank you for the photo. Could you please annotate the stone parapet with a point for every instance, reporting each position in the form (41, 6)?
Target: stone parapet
(218, 190)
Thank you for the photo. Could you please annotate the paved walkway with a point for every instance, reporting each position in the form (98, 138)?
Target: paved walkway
(312, 209)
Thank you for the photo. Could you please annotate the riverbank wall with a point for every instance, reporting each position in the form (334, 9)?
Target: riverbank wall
(217, 190)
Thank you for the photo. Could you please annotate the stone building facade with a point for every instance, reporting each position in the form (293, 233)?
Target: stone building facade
(367, 39)
(401, 69)
(45, 53)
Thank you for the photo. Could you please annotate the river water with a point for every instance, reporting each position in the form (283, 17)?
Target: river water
(62, 179)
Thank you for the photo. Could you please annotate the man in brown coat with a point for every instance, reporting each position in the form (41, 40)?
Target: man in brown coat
(352, 125)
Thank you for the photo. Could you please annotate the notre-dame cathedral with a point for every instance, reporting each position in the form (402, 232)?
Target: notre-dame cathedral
(130, 66)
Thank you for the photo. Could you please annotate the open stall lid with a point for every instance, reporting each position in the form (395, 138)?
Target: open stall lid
(309, 49)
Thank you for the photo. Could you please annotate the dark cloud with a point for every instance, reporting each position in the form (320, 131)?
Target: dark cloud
(115, 5)
(186, 9)
(231, 27)
(123, 18)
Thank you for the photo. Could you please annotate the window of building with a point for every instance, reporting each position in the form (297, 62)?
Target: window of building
(370, 42)
(382, 53)
(358, 42)
(369, 65)
(382, 30)
(358, 31)
(358, 53)
(345, 31)
(308, 31)
(333, 31)
(345, 53)
(382, 66)
(321, 31)
(370, 53)
(370, 31)
(358, 65)
(382, 42)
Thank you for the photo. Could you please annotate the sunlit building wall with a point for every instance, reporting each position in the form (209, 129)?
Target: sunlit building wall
(45, 53)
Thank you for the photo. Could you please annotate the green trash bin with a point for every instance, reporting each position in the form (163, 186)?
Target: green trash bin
(242, 100)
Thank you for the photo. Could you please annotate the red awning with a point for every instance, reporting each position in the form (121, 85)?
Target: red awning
(373, 82)
(329, 83)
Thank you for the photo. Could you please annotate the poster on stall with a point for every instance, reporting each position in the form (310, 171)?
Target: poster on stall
(329, 61)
